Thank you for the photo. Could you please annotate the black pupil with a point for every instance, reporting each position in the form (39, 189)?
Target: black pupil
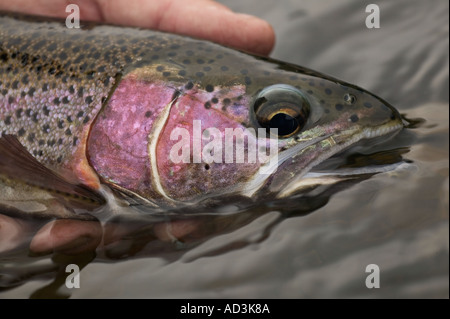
(285, 124)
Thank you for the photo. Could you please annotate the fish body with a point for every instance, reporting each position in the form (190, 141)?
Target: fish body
(147, 113)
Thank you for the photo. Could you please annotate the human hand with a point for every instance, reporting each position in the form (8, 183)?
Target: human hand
(203, 19)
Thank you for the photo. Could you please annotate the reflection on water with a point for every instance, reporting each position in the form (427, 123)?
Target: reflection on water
(314, 244)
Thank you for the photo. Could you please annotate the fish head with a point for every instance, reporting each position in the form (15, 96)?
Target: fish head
(248, 126)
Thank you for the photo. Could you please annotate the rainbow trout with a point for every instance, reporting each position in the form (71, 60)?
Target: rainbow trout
(163, 120)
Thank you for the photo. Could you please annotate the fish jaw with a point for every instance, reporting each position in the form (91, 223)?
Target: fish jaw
(368, 120)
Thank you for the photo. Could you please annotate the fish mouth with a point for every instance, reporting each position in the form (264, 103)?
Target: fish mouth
(291, 173)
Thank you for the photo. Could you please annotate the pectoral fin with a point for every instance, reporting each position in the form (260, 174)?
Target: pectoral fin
(17, 164)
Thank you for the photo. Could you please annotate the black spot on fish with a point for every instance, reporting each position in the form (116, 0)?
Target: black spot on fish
(80, 114)
(71, 89)
(207, 105)
(226, 101)
(160, 68)
(189, 85)
(148, 114)
(171, 54)
(200, 61)
(4, 57)
(4, 91)
(19, 113)
(45, 110)
(31, 91)
(354, 118)
(15, 85)
(367, 104)
(215, 100)
(21, 132)
(69, 119)
(339, 107)
(248, 81)
(80, 92)
(24, 59)
(224, 68)
(75, 141)
(52, 47)
(207, 167)
(28, 112)
(39, 45)
(68, 132)
(63, 55)
(60, 124)
(46, 128)
(51, 71)
(60, 141)
(186, 61)
(65, 100)
(23, 93)
(34, 118)
(328, 91)
(10, 100)
(86, 119)
(88, 99)
(8, 120)
(166, 74)
(31, 137)
(182, 72)
(56, 101)
(59, 159)
(41, 142)
(45, 87)
(209, 88)
(90, 74)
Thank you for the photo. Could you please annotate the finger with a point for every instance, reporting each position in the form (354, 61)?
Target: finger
(67, 236)
(204, 19)
(13, 233)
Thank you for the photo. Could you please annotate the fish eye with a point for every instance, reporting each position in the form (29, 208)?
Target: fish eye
(282, 107)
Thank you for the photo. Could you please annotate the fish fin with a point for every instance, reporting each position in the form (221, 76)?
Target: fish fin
(16, 163)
